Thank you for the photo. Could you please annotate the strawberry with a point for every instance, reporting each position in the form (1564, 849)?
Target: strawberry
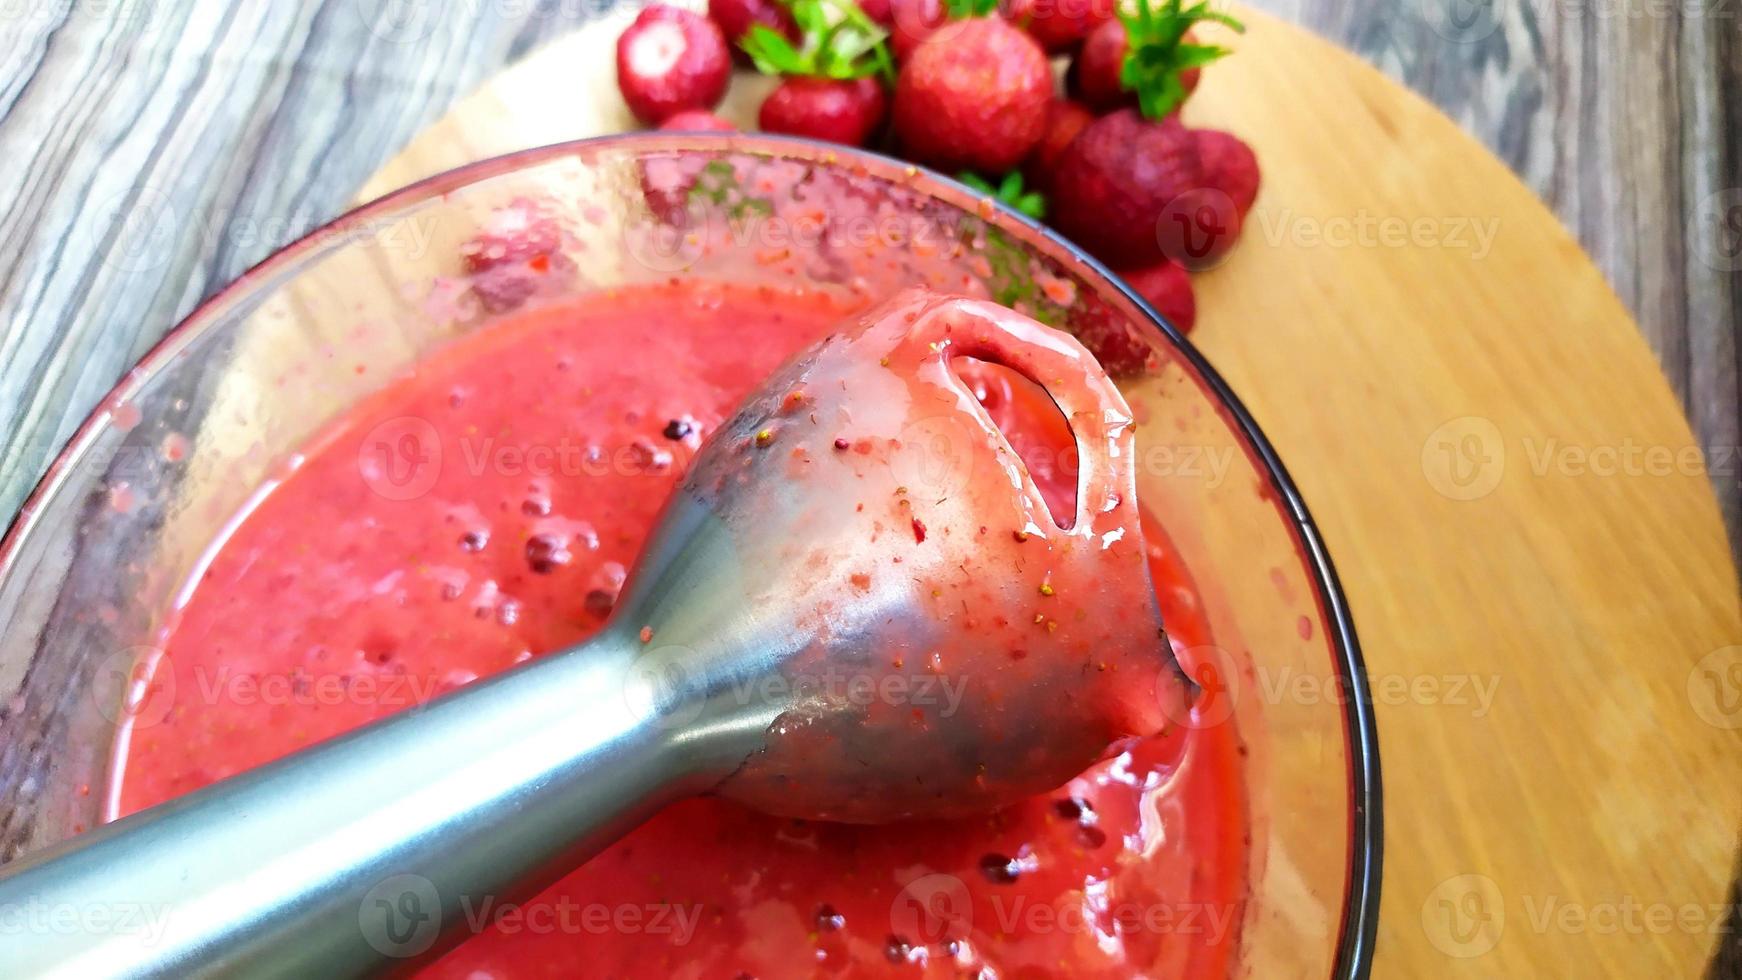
(696, 121)
(881, 11)
(912, 21)
(973, 96)
(1096, 76)
(1064, 120)
(1229, 166)
(1115, 181)
(736, 16)
(1061, 25)
(826, 109)
(1148, 57)
(1093, 77)
(1018, 12)
(1167, 287)
(1132, 188)
(833, 88)
(669, 60)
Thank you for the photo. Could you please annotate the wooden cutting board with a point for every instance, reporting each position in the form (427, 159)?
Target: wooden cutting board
(1502, 476)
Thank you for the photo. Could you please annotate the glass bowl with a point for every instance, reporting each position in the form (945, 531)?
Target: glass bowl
(100, 552)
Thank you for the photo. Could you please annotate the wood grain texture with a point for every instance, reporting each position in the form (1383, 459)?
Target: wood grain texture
(149, 151)
(1625, 116)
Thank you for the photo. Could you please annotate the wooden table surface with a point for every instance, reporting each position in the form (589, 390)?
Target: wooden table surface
(233, 127)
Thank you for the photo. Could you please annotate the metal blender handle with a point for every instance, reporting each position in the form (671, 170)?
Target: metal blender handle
(353, 856)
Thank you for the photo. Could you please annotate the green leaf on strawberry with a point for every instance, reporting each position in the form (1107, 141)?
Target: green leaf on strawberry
(837, 40)
(1009, 192)
(1158, 52)
(963, 9)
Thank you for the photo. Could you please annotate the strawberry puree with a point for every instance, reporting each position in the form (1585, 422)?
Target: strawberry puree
(484, 511)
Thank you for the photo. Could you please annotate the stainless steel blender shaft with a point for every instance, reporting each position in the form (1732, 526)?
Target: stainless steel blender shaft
(335, 861)
(367, 852)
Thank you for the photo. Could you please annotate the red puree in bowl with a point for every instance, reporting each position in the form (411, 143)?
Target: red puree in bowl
(483, 512)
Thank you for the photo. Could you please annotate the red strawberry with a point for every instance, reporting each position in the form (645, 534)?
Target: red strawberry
(1060, 25)
(825, 109)
(1116, 180)
(1147, 56)
(669, 60)
(697, 121)
(881, 11)
(1094, 74)
(833, 88)
(973, 97)
(912, 21)
(1064, 120)
(1168, 287)
(1018, 12)
(736, 16)
(1229, 166)
(1133, 191)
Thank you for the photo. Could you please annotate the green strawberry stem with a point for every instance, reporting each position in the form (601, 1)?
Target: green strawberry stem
(837, 40)
(1157, 53)
(1009, 191)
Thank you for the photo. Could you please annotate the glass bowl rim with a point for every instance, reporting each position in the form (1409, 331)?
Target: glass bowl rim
(1354, 957)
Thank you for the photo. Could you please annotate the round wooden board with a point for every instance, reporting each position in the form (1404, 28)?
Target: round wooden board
(1519, 512)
